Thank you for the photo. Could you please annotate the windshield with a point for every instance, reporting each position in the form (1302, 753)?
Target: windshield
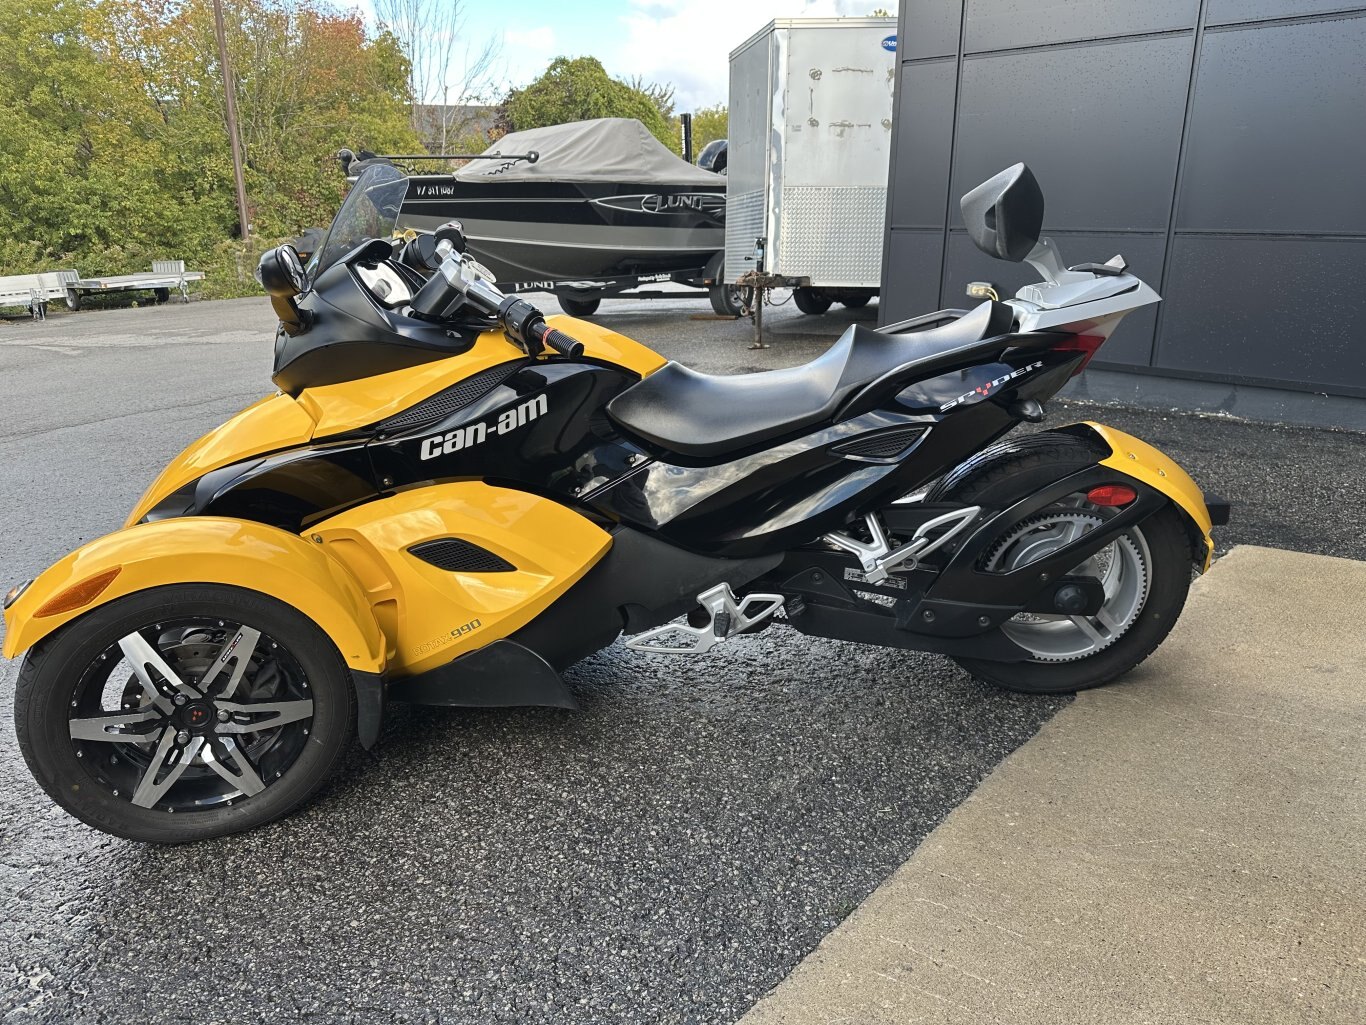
(370, 211)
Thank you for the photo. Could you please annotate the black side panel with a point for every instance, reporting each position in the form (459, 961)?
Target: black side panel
(457, 396)
(369, 706)
(290, 489)
(499, 675)
(641, 582)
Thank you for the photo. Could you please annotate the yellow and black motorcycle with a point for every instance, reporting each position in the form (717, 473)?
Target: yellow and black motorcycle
(450, 499)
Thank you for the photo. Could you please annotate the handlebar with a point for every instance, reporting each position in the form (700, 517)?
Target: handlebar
(524, 324)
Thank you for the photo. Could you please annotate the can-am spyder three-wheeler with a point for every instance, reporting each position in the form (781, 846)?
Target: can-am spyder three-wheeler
(450, 499)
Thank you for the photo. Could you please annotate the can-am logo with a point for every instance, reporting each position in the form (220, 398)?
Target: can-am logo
(983, 390)
(477, 434)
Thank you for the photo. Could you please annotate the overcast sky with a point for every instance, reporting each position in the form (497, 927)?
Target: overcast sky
(685, 42)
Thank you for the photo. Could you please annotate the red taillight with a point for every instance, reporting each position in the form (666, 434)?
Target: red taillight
(1111, 494)
(1087, 345)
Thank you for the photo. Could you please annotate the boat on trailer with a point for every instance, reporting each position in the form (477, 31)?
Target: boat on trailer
(584, 210)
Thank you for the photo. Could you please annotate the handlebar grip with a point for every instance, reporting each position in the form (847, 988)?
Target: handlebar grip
(562, 343)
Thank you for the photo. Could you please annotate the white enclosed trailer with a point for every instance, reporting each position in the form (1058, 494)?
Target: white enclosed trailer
(809, 147)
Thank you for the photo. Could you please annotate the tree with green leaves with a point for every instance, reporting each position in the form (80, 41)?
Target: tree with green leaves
(709, 124)
(113, 143)
(580, 89)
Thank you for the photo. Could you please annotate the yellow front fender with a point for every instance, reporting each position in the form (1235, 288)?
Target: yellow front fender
(1159, 471)
(212, 550)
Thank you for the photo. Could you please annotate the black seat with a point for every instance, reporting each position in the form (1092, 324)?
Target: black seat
(695, 414)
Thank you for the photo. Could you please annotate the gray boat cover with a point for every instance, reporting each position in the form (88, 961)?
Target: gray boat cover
(615, 149)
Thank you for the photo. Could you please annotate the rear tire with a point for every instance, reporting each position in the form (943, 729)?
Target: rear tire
(579, 307)
(728, 300)
(810, 301)
(856, 302)
(70, 678)
(1008, 472)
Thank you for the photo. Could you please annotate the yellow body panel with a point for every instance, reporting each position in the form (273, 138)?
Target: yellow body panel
(431, 615)
(608, 346)
(275, 422)
(1158, 470)
(347, 405)
(209, 549)
(351, 404)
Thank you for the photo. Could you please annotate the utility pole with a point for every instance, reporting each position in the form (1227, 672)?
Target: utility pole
(230, 98)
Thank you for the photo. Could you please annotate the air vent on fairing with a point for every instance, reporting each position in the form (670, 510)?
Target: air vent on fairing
(457, 396)
(460, 556)
(882, 445)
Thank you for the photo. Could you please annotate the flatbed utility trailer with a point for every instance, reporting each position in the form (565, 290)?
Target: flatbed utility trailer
(34, 292)
(166, 276)
(808, 157)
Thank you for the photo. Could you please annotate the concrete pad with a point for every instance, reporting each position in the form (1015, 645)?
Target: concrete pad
(1186, 846)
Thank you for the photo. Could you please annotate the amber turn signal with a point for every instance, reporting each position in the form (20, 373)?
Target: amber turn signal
(78, 595)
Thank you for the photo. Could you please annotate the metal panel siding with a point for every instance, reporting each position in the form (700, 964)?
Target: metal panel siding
(1006, 24)
(826, 231)
(747, 155)
(924, 142)
(931, 29)
(1284, 311)
(827, 116)
(1222, 12)
(1131, 344)
(744, 223)
(1218, 144)
(1099, 124)
(1278, 130)
(910, 286)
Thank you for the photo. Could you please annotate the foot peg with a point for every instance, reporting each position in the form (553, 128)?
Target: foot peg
(879, 558)
(726, 617)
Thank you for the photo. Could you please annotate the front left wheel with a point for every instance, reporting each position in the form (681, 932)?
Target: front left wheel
(184, 712)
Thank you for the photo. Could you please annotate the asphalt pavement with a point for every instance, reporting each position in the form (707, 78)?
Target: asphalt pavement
(666, 855)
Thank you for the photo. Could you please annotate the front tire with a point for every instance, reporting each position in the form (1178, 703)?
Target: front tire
(1147, 571)
(184, 712)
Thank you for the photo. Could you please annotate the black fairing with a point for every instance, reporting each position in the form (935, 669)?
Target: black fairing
(544, 429)
(792, 492)
(351, 335)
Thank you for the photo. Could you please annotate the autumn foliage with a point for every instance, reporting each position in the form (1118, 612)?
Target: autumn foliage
(113, 145)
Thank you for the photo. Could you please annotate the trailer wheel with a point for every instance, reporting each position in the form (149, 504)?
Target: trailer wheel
(578, 307)
(162, 295)
(855, 302)
(810, 301)
(729, 300)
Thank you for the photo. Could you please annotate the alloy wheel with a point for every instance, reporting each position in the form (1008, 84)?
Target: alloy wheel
(190, 715)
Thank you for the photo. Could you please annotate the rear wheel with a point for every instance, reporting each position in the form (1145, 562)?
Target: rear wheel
(579, 307)
(810, 301)
(1145, 572)
(855, 302)
(183, 713)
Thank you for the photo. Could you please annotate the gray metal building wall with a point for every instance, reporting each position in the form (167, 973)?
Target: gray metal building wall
(1220, 145)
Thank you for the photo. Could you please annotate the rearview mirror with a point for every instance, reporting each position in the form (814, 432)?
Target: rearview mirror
(1004, 214)
(281, 272)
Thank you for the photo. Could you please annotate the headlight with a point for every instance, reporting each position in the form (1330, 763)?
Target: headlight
(15, 591)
